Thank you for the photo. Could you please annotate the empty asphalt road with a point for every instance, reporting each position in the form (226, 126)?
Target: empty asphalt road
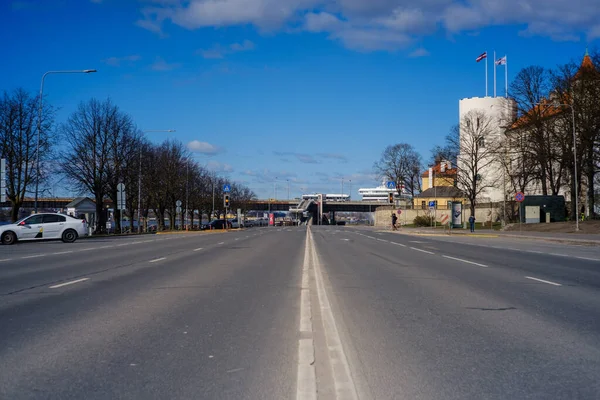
(297, 313)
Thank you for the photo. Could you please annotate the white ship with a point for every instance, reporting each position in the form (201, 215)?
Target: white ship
(380, 193)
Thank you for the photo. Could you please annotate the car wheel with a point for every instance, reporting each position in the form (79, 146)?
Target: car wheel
(9, 238)
(69, 236)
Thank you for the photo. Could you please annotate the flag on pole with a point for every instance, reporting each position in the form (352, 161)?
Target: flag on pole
(501, 61)
(481, 57)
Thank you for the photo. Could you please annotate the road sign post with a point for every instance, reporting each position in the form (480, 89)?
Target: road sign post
(519, 197)
(3, 180)
(121, 196)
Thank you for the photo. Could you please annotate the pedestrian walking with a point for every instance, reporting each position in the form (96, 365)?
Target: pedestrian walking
(394, 221)
(472, 223)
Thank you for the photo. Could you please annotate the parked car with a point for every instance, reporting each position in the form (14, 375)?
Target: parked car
(44, 227)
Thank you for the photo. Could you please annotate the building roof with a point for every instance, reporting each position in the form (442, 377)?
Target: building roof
(78, 201)
(547, 107)
(442, 191)
(437, 169)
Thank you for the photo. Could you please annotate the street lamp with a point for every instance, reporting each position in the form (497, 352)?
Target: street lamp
(140, 179)
(39, 127)
(557, 104)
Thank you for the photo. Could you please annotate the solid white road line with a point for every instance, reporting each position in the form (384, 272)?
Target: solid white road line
(221, 243)
(6, 259)
(62, 252)
(422, 251)
(306, 381)
(34, 256)
(466, 261)
(198, 249)
(589, 259)
(398, 244)
(158, 259)
(343, 382)
(68, 283)
(541, 280)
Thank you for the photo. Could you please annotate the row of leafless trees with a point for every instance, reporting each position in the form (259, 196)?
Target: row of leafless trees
(98, 147)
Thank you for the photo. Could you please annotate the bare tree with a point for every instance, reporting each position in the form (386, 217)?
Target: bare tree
(18, 142)
(87, 160)
(449, 151)
(579, 86)
(531, 90)
(402, 164)
(479, 147)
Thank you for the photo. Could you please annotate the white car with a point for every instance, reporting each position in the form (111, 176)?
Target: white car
(42, 227)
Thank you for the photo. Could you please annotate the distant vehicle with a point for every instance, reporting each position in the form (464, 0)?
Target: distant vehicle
(44, 227)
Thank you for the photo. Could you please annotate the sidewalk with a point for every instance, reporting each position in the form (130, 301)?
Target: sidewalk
(574, 238)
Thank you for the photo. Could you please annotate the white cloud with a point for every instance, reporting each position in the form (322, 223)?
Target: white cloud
(218, 51)
(217, 166)
(420, 52)
(202, 147)
(388, 25)
(116, 61)
(161, 65)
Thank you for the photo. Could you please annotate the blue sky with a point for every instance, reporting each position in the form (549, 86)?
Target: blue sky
(271, 91)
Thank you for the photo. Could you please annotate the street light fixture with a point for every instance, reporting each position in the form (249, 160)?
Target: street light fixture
(557, 104)
(140, 178)
(39, 127)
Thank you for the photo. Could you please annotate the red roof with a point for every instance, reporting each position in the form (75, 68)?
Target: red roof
(437, 170)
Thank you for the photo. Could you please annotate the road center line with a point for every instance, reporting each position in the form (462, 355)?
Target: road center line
(6, 259)
(198, 249)
(68, 283)
(398, 244)
(62, 252)
(34, 256)
(221, 243)
(465, 261)
(541, 280)
(343, 382)
(581, 258)
(423, 251)
(158, 259)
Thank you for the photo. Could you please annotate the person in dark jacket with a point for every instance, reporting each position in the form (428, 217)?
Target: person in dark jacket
(472, 223)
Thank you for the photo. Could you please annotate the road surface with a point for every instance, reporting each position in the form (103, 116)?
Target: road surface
(297, 313)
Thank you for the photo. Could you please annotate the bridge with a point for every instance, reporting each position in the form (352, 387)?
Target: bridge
(254, 205)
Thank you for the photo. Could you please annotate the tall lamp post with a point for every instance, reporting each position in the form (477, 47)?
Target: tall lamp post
(39, 126)
(556, 104)
(139, 207)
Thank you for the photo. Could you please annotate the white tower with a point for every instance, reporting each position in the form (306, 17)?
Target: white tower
(503, 112)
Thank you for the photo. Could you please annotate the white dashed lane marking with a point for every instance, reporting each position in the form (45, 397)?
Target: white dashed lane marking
(68, 283)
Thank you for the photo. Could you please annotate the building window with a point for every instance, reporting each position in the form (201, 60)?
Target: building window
(423, 205)
(481, 142)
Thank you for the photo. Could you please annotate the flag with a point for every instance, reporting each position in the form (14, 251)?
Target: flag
(501, 61)
(482, 56)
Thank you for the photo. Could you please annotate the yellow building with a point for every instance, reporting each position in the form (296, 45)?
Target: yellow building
(438, 184)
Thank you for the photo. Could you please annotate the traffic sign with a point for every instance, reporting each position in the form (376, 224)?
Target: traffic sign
(227, 188)
(390, 185)
(519, 197)
(178, 210)
(178, 203)
(432, 204)
(399, 211)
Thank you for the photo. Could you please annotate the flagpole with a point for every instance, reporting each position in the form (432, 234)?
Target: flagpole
(486, 76)
(494, 61)
(506, 75)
